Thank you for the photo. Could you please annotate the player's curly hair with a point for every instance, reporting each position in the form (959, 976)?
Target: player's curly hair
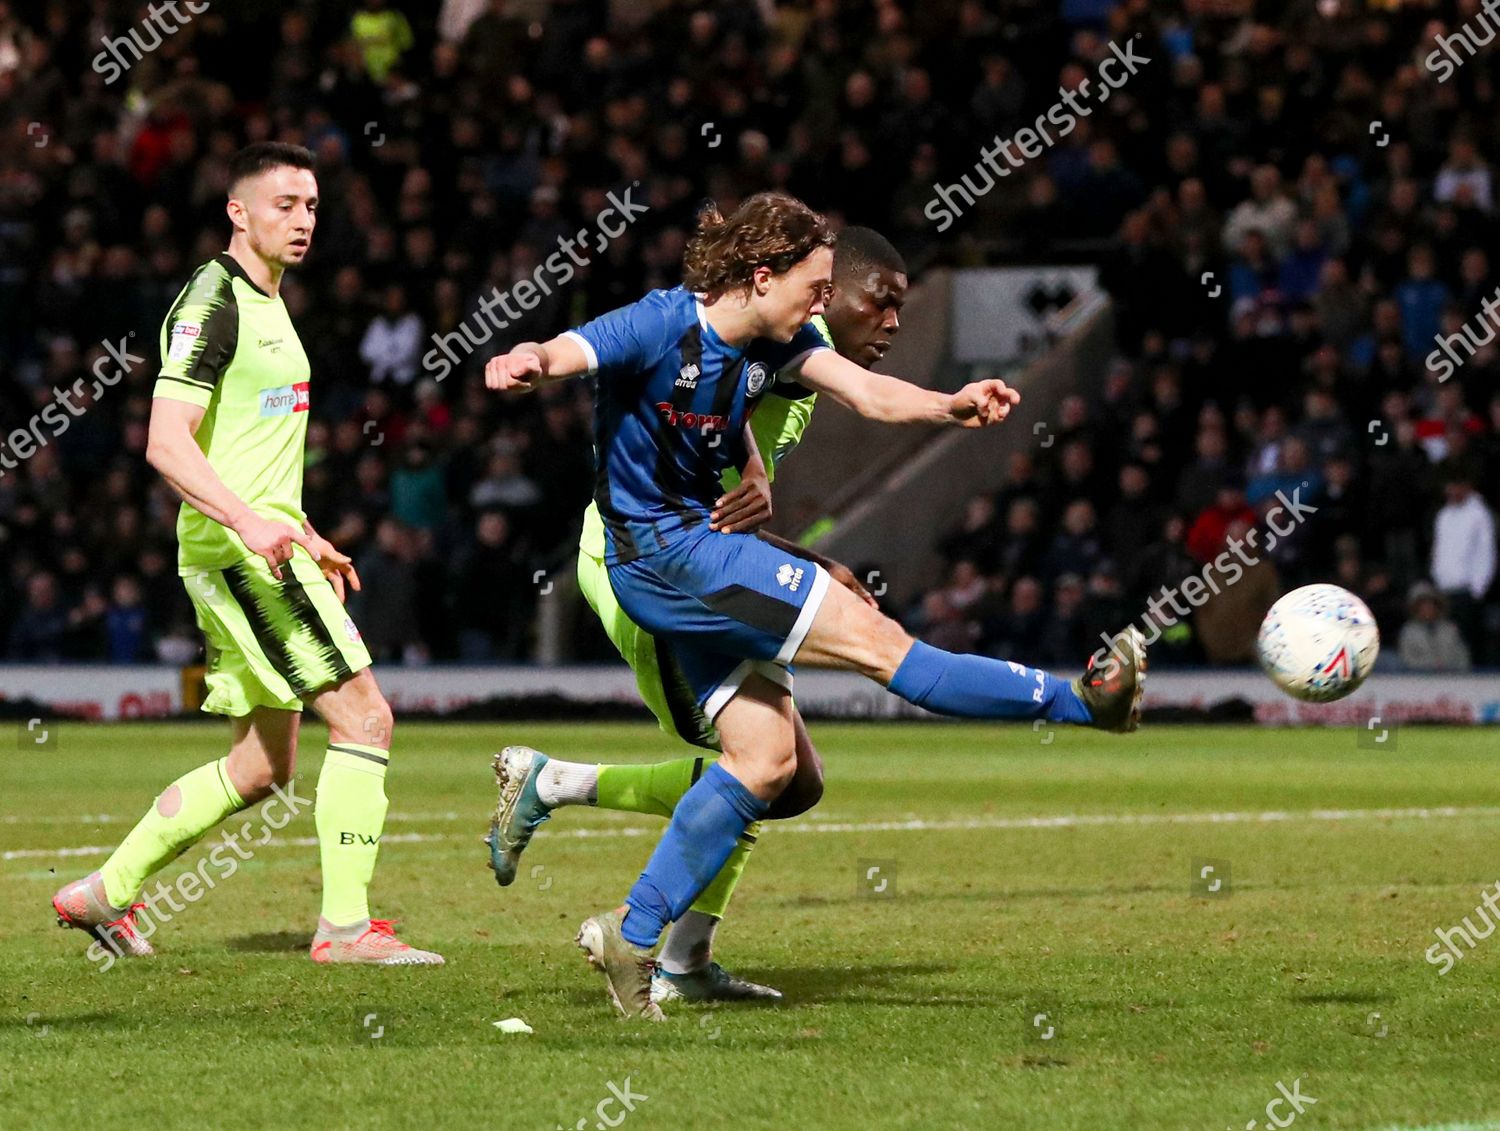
(769, 229)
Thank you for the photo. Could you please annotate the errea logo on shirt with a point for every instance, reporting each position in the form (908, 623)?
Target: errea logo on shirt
(789, 578)
(285, 400)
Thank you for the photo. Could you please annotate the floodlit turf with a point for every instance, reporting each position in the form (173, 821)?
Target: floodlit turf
(916, 1004)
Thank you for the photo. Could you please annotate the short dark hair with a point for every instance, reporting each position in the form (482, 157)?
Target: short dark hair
(264, 156)
(861, 251)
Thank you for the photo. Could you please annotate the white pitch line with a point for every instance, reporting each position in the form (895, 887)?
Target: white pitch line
(1065, 821)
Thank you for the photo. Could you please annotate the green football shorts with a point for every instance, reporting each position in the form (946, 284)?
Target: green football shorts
(662, 685)
(272, 643)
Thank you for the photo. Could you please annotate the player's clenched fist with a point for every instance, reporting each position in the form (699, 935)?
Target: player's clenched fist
(516, 371)
(983, 402)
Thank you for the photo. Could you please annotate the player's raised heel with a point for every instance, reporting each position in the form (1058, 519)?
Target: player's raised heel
(1112, 690)
(627, 968)
(83, 906)
(518, 812)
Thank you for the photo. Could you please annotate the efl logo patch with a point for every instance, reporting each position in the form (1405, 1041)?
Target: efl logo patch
(789, 578)
(183, 338)
(351, 630)
(285, 400)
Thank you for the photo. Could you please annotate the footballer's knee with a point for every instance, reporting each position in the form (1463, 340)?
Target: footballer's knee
(366, 720)
(378, 722)
(805, 789)
(802, 793)
(766, 772)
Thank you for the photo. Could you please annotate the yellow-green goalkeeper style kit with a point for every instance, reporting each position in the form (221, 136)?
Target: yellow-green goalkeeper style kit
(230, 349)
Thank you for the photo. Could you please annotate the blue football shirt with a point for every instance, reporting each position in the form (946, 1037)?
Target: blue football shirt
(670, 412)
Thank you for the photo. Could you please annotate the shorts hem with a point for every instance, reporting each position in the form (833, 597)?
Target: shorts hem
(805, 617)
(720, 696)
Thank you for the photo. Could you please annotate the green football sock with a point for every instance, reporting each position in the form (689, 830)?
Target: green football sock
(186, 809)
(657, 789)
(714, 899)
(350, 815)
(652, 789)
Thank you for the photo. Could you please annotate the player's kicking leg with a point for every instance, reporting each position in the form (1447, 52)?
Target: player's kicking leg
(847, 634)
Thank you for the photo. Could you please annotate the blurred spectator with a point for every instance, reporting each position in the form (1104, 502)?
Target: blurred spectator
(493, 594)
(39, 632)
(393, 340)
(1211, 527)
(1463, 553)
(1429, 641)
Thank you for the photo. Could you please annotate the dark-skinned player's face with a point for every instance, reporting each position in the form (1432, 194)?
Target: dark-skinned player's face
(278, 210)
(865, 314)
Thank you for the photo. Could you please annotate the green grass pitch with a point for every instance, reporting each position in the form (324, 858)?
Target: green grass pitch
(1002, 969)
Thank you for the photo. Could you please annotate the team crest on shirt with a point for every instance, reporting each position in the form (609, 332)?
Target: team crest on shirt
(755, 378)
(687, 376)
(183, 338)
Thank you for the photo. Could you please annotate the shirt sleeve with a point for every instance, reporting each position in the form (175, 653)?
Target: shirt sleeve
(786, 360)
(198, 338)
(624, 341)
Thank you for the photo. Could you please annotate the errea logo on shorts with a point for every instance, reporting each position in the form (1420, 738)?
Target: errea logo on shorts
(788, 577)
(285, 400)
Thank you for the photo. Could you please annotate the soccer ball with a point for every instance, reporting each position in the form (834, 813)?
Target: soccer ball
(1318, 643)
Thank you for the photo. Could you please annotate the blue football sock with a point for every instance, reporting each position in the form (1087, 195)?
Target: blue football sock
(705, 827)
(977, 687)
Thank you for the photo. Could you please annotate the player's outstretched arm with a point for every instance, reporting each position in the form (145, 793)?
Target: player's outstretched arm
(171, 449)
(891, 400)
(532, 364)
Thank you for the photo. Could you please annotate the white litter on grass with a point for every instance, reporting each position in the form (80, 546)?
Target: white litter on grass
(513, 1025)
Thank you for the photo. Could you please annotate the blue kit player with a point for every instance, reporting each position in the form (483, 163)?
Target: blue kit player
(678, 373)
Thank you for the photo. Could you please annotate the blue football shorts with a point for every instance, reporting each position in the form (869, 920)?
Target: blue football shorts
(727, 606)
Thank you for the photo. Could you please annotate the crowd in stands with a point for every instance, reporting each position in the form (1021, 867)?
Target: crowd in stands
(1305, 289)
(1341, 195)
